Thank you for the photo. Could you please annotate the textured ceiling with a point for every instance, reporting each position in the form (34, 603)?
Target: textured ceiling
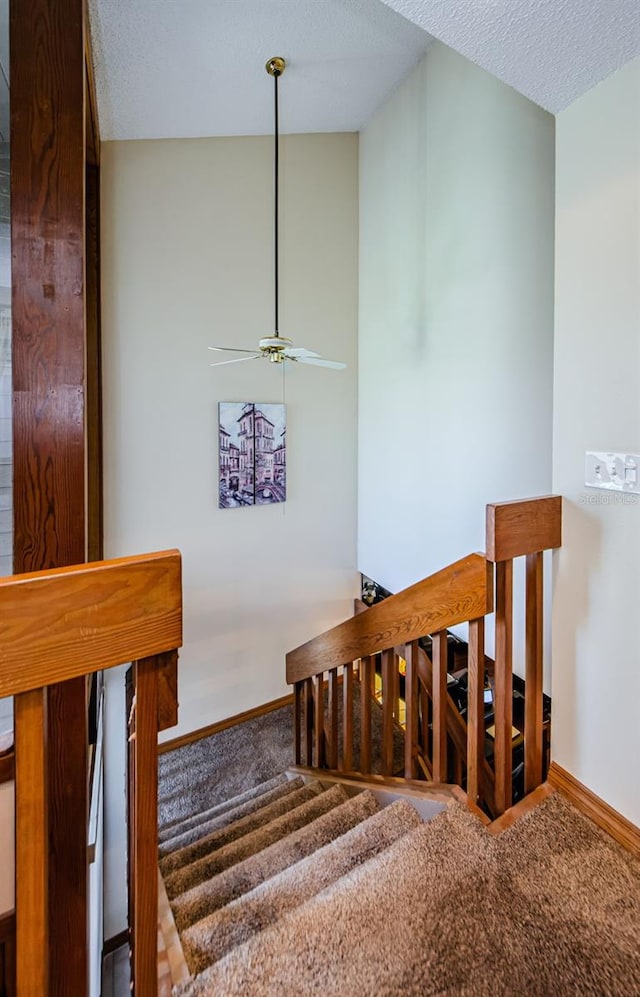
(170, 69)
(550, 50)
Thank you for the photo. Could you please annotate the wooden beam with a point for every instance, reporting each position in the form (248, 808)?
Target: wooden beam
(523, 527)
(61, 624)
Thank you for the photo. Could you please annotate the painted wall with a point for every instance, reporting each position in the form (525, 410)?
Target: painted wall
(456, 315)
(187, 263)
(596, 674)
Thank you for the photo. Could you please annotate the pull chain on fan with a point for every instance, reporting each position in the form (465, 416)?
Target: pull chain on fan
(276, 348)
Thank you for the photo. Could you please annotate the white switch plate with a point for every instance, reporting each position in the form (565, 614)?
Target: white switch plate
(619, 472)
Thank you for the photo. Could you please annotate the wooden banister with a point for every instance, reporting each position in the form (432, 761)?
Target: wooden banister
(64, 624)
(61, 624)
(461, 592)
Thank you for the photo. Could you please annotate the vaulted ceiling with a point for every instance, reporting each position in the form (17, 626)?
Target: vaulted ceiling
(170, 69)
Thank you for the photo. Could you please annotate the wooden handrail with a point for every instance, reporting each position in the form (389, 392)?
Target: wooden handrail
(460, 592)
(63, 624)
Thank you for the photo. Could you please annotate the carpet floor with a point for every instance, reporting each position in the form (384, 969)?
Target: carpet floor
(291, 890)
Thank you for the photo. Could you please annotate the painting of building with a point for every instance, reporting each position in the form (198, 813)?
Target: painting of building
(252, 454)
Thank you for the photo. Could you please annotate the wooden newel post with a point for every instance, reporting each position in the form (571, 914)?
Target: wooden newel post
(32, 845)
(145, 829)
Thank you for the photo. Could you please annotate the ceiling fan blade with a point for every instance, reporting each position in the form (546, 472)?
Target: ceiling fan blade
(228, 349)
(299, 351)
(321, 362)
(222, 363)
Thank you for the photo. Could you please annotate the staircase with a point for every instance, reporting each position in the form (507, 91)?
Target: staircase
(304, 887)
(266, 858)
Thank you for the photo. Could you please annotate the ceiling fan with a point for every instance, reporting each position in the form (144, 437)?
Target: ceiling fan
(276, 348)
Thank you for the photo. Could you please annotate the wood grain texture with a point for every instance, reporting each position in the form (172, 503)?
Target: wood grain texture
(68, 853)
(533, 674)
(454, 595)
(32, 845)
(389, 673)
(503, 693)
(167, 690)
(8, 954)
(70, 622)
(618, 827)
(475, 709)
(332, 732)
(439, 700)
(47, 45)
(318, 721)
(347, 717)
(298, 706)
(95, 504)
(366, 695)
(145, 829)
(308, 720)
(523, 527)
(411, 692)
(521, 809)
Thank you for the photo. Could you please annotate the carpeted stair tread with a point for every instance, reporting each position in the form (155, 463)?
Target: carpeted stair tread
(212, 769)
(180, 825)
(371, 931)
(211, 834)
(209, 896)
(311, 802)
(212, 937)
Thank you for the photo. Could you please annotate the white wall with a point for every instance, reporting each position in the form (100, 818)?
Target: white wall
(596, 676)
(187, 250)
(456, 314)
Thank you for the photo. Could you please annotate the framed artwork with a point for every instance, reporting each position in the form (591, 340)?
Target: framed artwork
(252, 454)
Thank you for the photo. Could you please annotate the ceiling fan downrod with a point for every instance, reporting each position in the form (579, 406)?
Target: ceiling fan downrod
(276, 67)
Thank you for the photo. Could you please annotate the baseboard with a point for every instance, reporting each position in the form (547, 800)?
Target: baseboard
(239, 718)
(617, 826)
(520, 809)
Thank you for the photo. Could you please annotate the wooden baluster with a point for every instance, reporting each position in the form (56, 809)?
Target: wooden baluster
(411, 699)
(308, 720)
(396, 687)
(503, 705)
(439, 700)
(333, 718)
(347, 718)
(366, 694)
(318, 696)
(533, 675)
(457, 768)
(145, 816)
(389, 678)
(32, 844)
(297, 720)
(424, 724)
(475, 709)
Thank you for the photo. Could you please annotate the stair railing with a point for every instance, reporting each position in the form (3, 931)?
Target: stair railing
(465, 592)
(63, 624)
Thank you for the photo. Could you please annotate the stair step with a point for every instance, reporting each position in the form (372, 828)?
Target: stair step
(203, 899)
(312, 801)
(211, 938)
(235, 822)
(381, 923)
(174, 827)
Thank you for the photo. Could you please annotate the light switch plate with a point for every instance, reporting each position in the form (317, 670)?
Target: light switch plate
(619, 472)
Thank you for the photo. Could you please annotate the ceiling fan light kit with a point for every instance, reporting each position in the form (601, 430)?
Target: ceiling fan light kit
(277, 349)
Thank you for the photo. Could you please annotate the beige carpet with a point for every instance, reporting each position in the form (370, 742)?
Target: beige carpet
(551, 907)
